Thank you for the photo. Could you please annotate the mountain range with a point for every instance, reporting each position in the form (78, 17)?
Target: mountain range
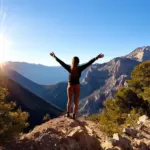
(40, 74)
(99, 81)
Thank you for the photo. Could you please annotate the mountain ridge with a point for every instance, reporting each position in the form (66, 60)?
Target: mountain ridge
(140, 54)
(40, 74)
(29, 102)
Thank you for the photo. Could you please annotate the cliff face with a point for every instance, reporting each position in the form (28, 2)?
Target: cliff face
(103, 80)
(106, 80)
(66, 134)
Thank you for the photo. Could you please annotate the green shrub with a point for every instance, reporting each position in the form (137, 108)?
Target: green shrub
(128, 103)
(132, 118)
(46, 117)
(94, 117)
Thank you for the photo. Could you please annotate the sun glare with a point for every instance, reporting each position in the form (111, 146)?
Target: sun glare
(4, 47)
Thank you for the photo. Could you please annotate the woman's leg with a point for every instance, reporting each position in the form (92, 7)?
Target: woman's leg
(76, 98)
(69, 93)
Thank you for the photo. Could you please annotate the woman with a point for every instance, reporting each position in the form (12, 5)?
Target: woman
(74, 80)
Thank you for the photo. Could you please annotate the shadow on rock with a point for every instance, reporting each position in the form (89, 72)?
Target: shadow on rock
(76, 136)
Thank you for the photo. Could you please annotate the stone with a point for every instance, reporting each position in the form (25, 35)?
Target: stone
(147, 124)
(130, 132)
(142, 119)
(75, 131)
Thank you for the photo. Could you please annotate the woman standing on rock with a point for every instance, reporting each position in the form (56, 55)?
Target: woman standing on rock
(74, 80)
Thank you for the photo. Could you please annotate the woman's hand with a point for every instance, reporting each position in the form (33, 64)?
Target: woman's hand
(100, 56)
(53, 55)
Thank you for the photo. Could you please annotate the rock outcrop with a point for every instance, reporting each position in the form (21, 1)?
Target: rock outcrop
(134, 138)
(59, 134)
(66, 134)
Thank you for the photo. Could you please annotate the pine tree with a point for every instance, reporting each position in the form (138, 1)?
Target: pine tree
(12, 120)
(128, 103)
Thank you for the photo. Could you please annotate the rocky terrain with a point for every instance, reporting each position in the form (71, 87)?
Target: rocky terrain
(63, 133)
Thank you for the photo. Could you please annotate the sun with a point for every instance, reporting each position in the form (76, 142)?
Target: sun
(4, 47)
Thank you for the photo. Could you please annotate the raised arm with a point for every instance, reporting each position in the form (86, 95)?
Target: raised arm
(84, 66)
(67, 67)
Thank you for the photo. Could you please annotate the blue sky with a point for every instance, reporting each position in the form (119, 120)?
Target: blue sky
(70, 28)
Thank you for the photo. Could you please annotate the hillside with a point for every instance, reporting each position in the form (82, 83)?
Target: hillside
(28, 101)
(54, 94)
(66, 134)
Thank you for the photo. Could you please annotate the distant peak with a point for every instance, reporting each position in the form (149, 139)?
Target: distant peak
(140, 54)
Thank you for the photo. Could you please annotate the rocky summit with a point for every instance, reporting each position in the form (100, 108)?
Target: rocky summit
(65, 133)
(140, 54)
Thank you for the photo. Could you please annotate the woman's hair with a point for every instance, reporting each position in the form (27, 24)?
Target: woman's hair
(75, 62)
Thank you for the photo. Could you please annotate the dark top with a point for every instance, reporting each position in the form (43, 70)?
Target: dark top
(74, 77)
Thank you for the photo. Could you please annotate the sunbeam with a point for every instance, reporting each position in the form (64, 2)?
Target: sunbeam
(5, 45)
